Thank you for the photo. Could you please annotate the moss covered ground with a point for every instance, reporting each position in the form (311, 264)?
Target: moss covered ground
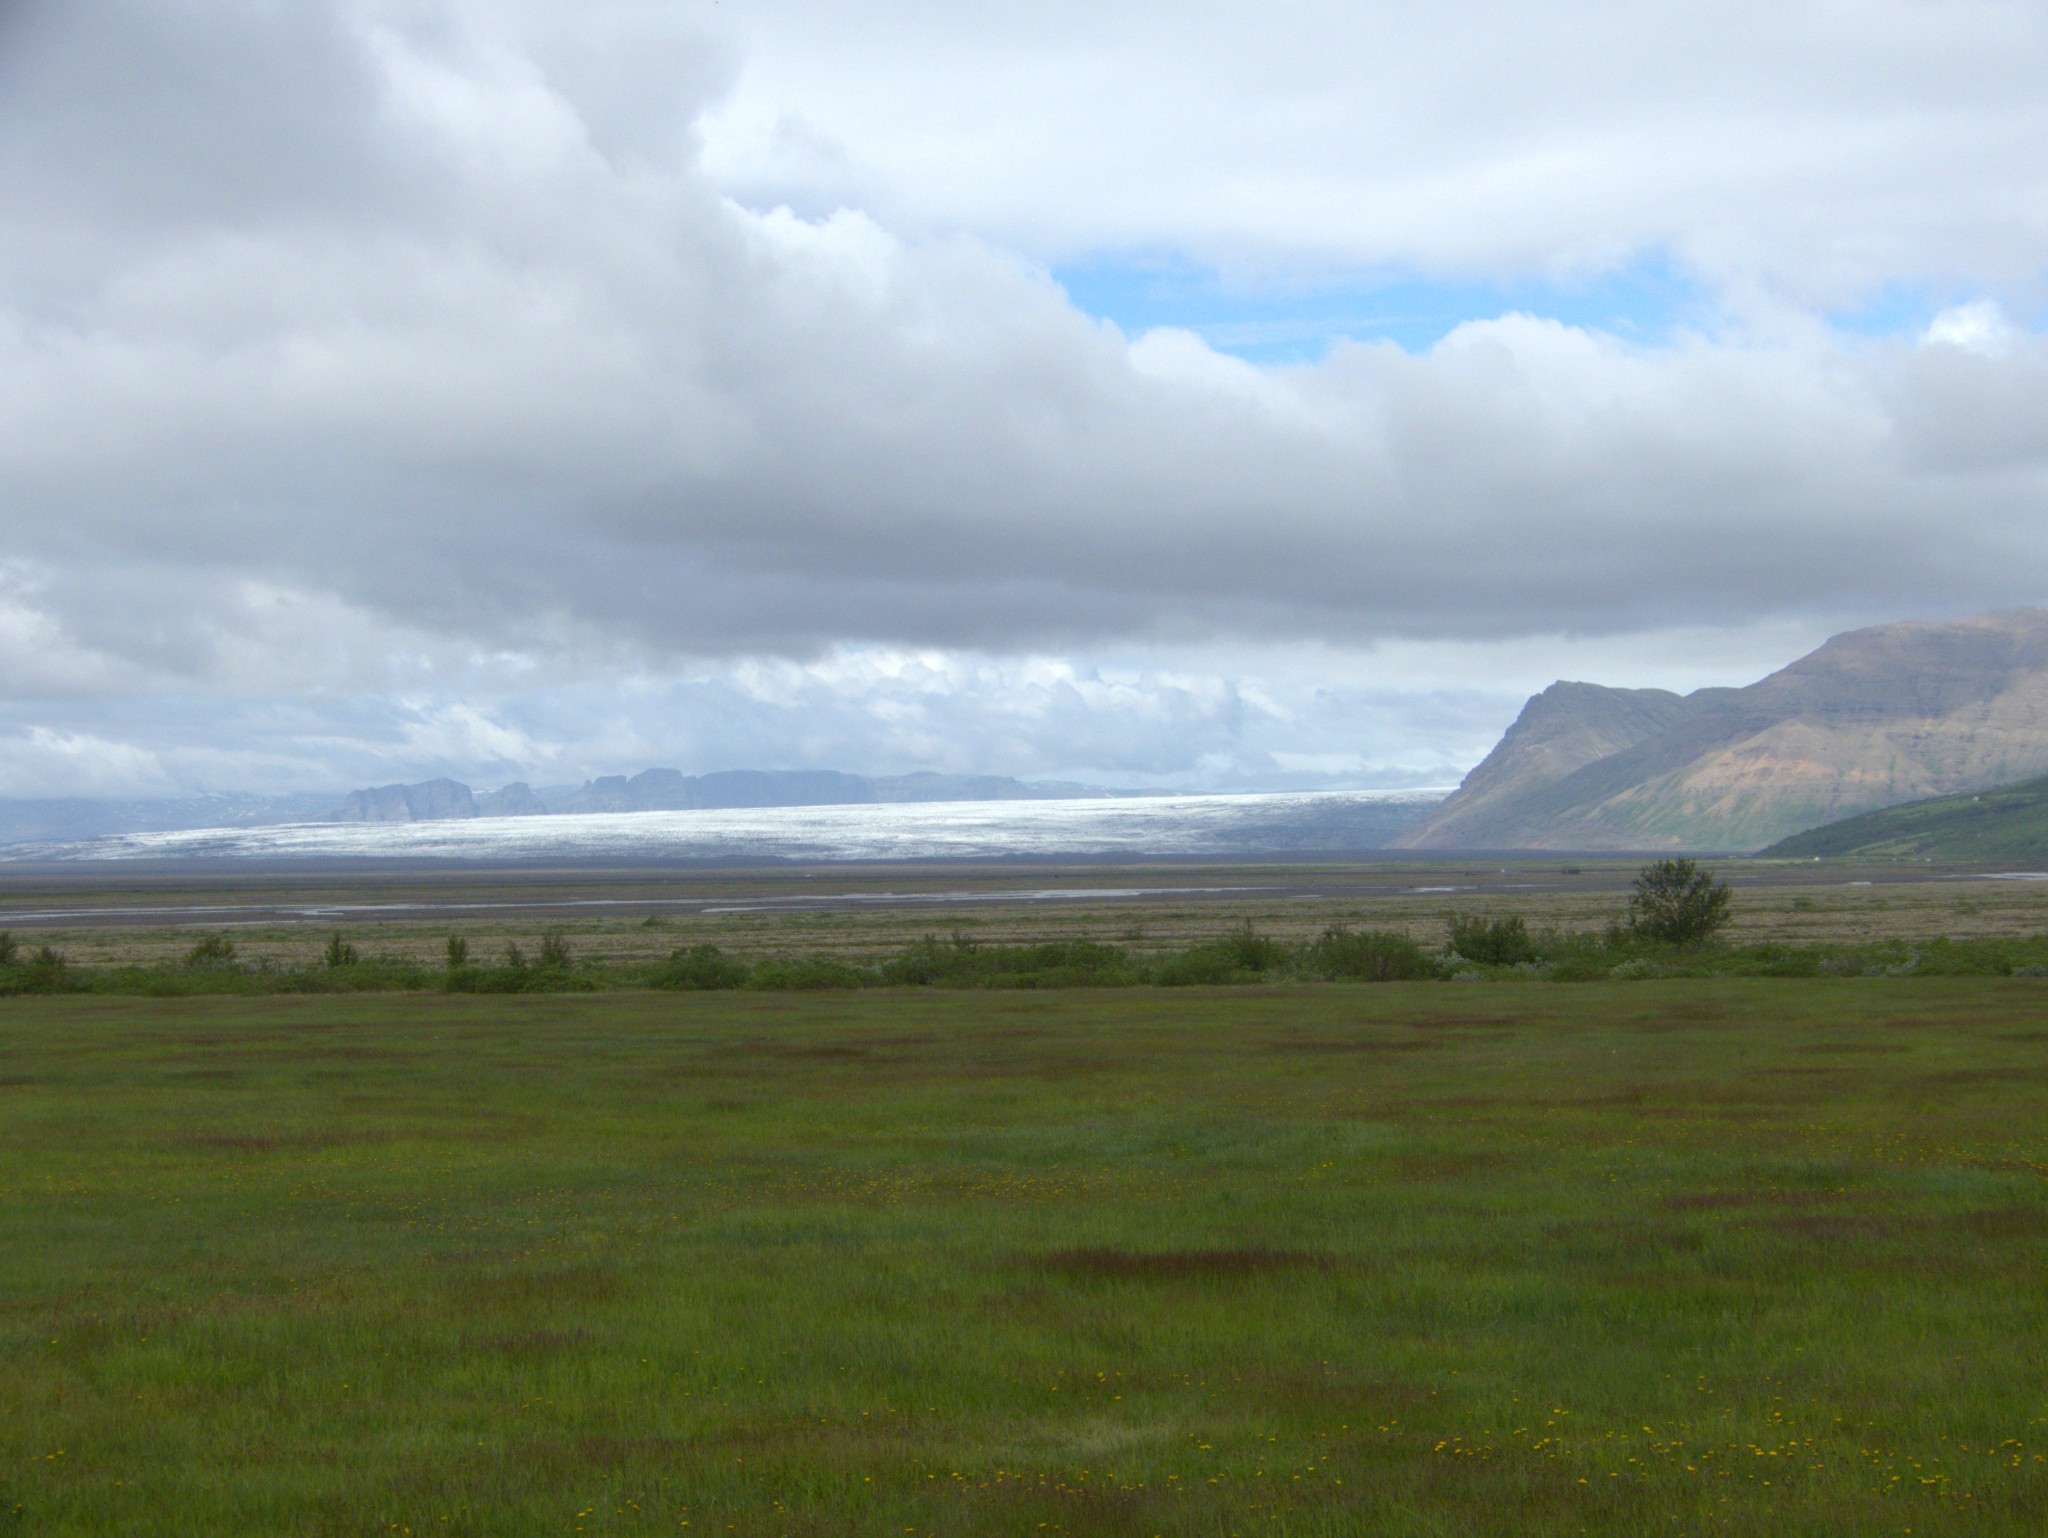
(1687, 1256)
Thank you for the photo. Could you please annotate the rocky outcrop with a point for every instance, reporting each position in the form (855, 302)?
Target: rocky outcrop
(429, 801)
(1871, 719)
(515, 800)
(668, 790)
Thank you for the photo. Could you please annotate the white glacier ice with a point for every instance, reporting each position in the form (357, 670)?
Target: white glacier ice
(1164, 826)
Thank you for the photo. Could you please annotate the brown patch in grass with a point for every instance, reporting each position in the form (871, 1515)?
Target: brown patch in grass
(1817, 1047)
(1337, 1388)
(533, 1342)
(282, 1142)
(2005, 1222)
(1623, 1097)
(1957, 1077)
(525, 1289)
(783, 1051)
(1181, 1265)
(1832, 1226)
(610, 1452)
(1675, 1017)
(1325, 1044)
(1447, 1166)
(1715, 1201)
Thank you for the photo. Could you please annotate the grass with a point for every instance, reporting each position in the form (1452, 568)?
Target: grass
(2008, 824)
(1736, 1256)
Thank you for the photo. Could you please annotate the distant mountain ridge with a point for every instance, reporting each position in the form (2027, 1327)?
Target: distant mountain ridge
(1870, 719)
(42, 819)
(670, 790)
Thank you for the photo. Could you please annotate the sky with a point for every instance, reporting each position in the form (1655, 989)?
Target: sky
(1186, 395)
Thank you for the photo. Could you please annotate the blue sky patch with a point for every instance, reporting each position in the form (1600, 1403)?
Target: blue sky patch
(1297, 321)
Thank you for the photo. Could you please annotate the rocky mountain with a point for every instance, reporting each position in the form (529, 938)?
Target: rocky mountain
(669, 790)
(515, 800)
(429, 801)
(1871, 719)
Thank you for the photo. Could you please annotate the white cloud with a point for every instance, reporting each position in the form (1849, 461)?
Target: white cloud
(42, 762)
(1816, 151)
(416, 354)
(1979, 327)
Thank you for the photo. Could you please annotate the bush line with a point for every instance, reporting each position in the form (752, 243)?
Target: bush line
(1476, 950)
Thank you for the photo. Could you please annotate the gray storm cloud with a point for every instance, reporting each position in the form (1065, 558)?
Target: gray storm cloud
(338, 338)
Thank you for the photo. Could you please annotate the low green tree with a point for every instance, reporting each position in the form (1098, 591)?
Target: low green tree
(1676, 902)
(339, 952)
(10, 949)
(214, 952)
(1492, 942)
(555, 955)
(458, 953)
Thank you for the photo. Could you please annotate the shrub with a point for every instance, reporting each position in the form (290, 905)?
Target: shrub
(214, 953)
(805, 972)
(554, 955)
(43, 972)
(9, 949)
(1054, 964)
(1236, 957)
(929, 961)
(961, 963)
(1197, 966)
(339, 952)
(701, 966)
(1492, 942)
(1252, 951)
(1369, 955)
(458, 953)
(1677, 903)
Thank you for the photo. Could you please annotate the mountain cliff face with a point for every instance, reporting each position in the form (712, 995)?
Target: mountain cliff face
(1871, 719)
(429, 801)
(1566, 727)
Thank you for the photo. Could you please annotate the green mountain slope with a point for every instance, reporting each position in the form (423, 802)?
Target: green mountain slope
(2008, 823)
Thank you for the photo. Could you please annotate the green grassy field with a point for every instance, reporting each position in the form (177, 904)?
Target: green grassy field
(1740, 1256)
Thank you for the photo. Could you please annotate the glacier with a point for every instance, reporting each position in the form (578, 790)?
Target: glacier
(1166, 826)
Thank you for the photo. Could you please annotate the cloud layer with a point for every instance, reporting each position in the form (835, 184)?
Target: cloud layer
(462, 351)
